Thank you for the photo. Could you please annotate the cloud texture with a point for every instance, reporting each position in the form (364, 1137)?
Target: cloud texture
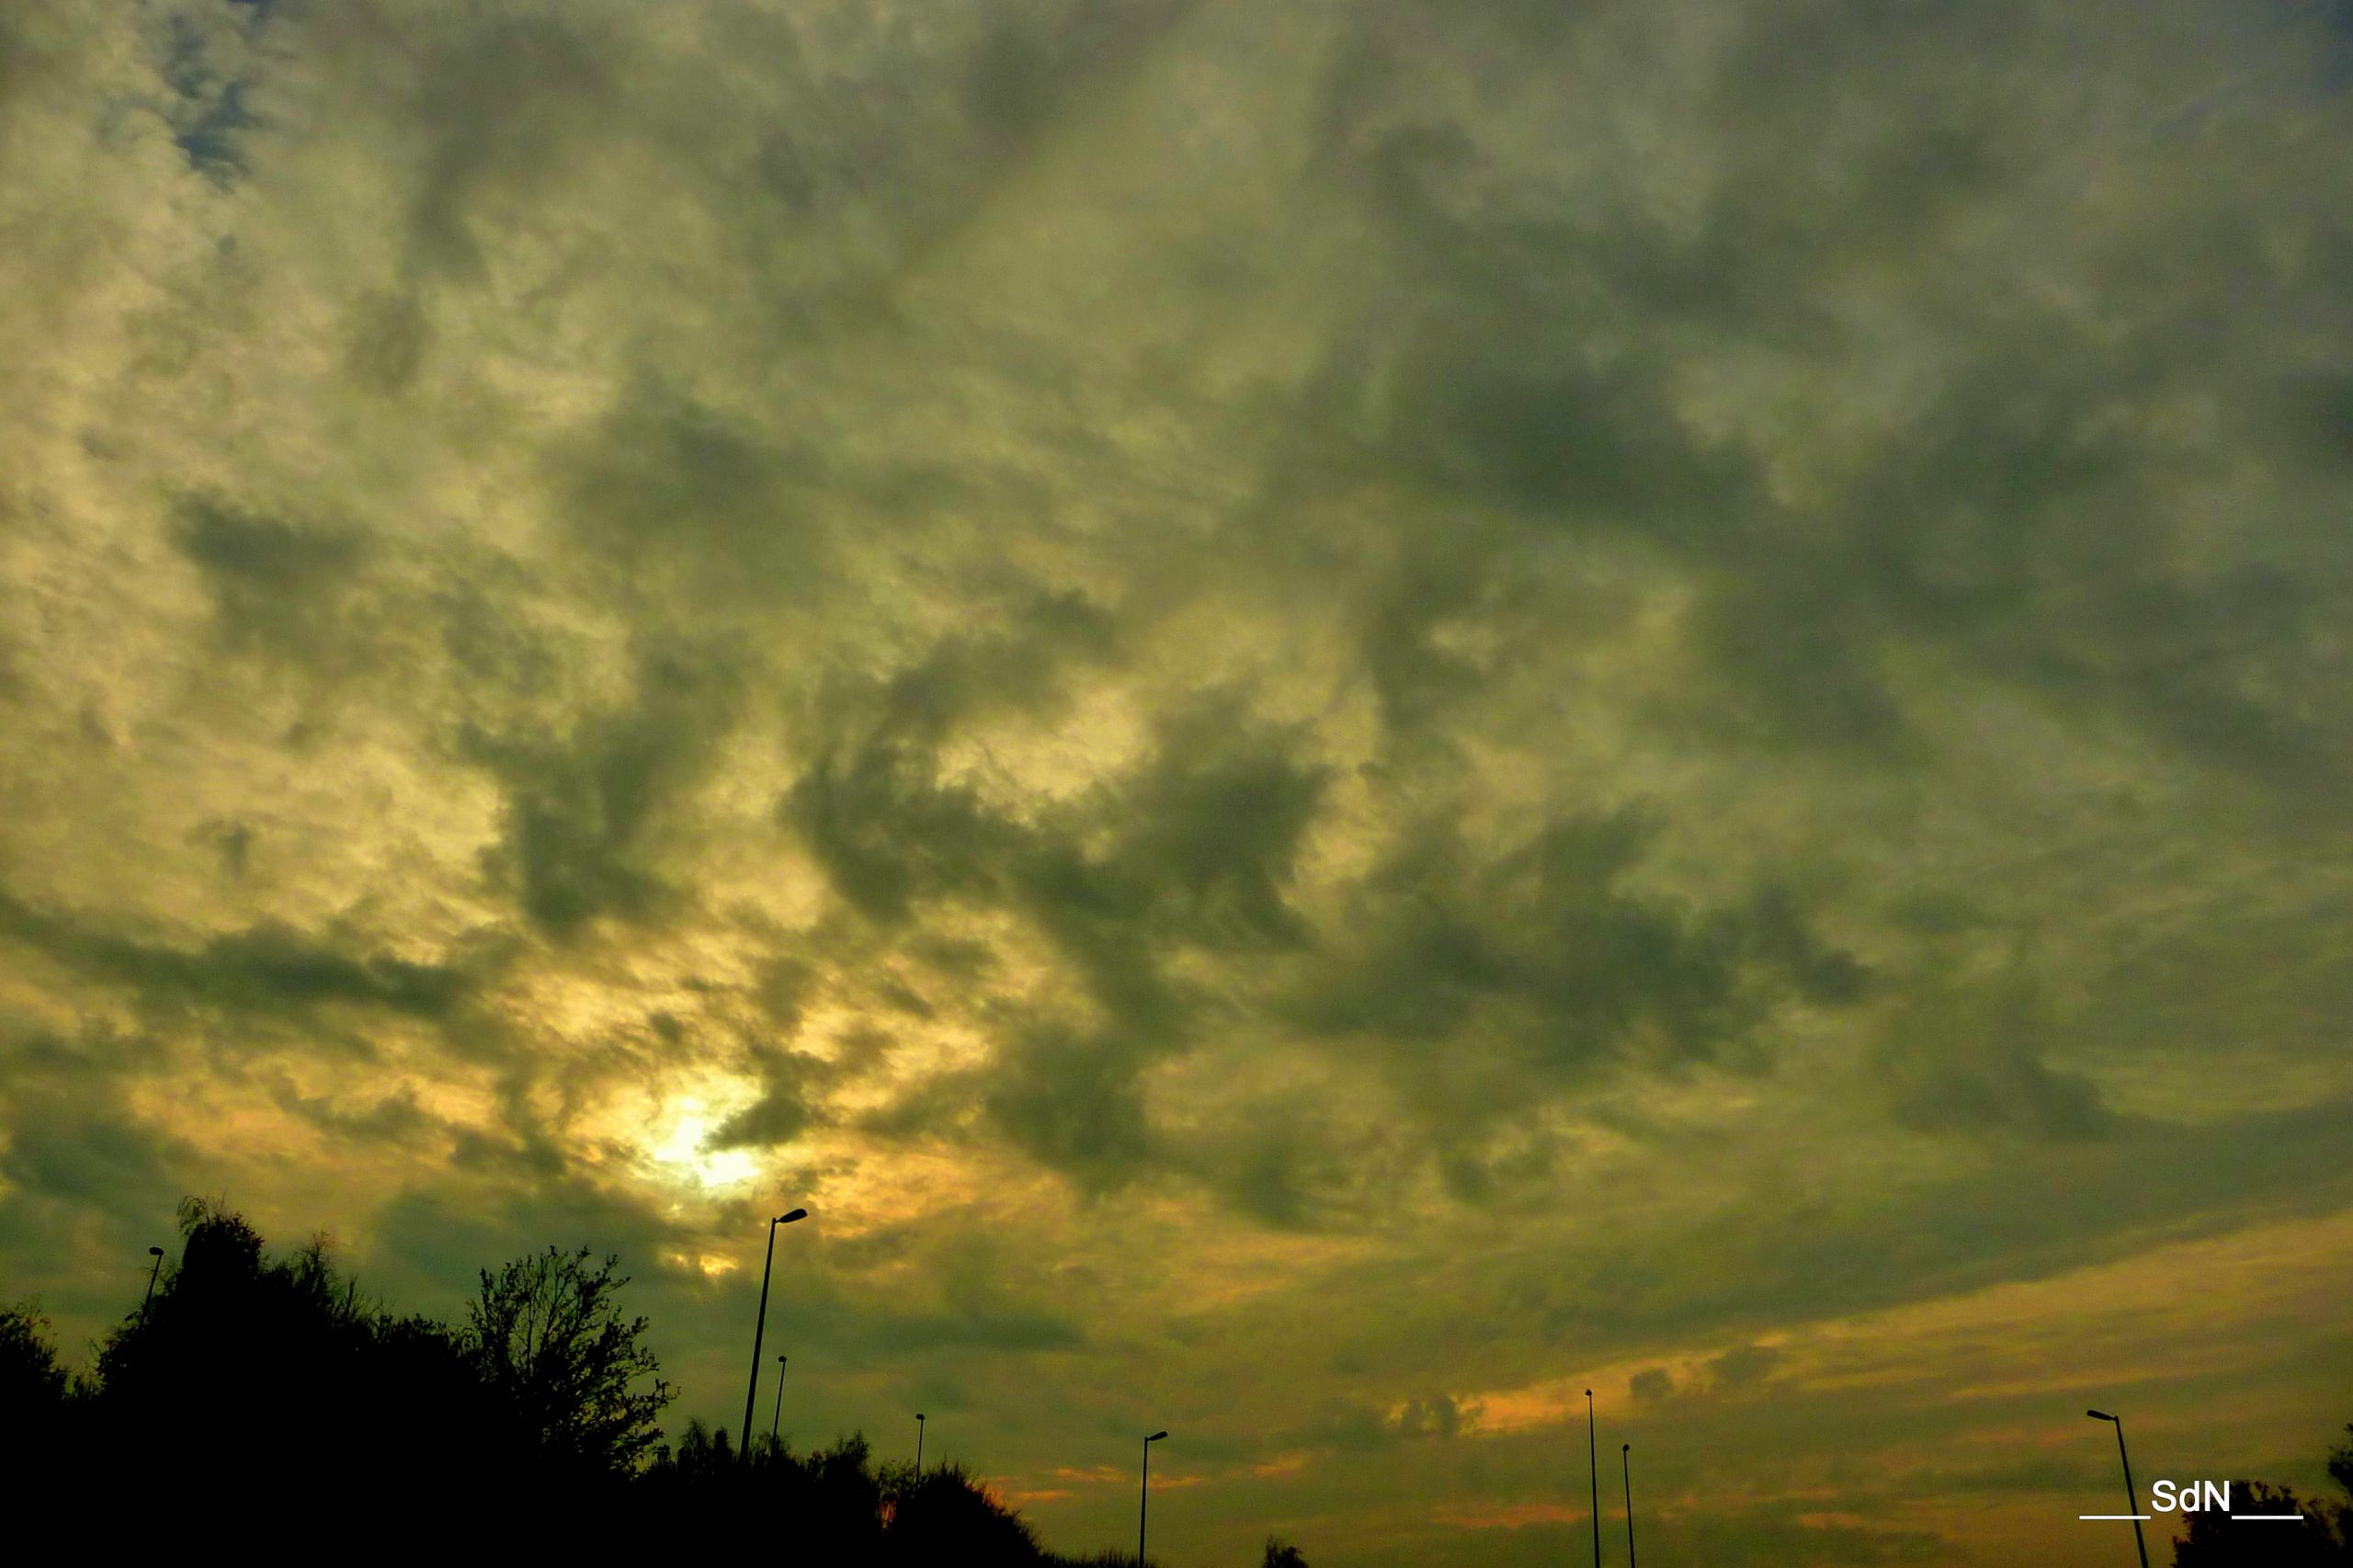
(1329, 716)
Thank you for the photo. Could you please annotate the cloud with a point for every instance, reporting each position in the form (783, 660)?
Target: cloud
(580, 811)
(1427, 694)
(263, 967)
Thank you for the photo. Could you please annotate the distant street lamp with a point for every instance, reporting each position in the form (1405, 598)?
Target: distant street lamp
(759, 1326)
(2131, 1495)
(1592, 1464)
(1626, 1458)
(919, 1444)
(779, 1412)
(157, 1253)
(1144, 1502)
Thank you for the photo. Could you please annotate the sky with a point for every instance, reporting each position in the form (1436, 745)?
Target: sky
(1330, 718)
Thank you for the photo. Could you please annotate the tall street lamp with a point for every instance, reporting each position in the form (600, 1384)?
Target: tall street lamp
(919, 1444)
(777, 1413)
(1592, 1464)
(157, 1253)
(1626, 1458)
(2131, 1495)
(759, 1326)
(1144, 1502)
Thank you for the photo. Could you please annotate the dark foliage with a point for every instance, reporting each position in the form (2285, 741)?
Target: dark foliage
(33, 1387)
(258, 1398)
(557, 1359)
(30, 1378)
(2323, 1541)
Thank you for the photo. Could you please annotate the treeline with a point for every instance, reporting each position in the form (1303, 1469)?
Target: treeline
(2324, 1538)
(251, 1397)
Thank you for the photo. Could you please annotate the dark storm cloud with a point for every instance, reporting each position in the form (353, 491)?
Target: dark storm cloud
(789, 1082)
(1286, 1162)
(2021, 520)
(582, 808)
(873, 810)
(1541, 964)
(484, 159)
(262, 969)
(673, 489)
(396, 1119)
(282, 586)
(61, 1148)
(81, 1169)
(1073, 1101)
(1961, 1063)
(1035, 65)
(1189, 851)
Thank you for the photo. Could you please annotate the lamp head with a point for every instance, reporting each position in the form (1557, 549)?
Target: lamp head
(788, 1219)
(1625, 1447)
(1155, 1436)
(154, 1252)
(2099, 1415)
(918, 1414)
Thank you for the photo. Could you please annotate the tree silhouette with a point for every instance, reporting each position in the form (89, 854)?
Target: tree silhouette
(944, 1516)
(1281, 1553)
(33, 1391)
(256, 1392)
(553, 1351)
(30, 1379)
(2323, 1541)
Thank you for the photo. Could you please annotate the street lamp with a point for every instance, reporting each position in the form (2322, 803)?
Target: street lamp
(2131, 1495)
(1626, 1458)
(777, 1413)
(1144, 1502)
(157, 1253)
(919, 1444)
(1592, 1464)
(759, 1326)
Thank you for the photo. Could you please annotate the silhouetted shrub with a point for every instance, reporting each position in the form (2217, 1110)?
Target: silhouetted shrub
(253, 1398)
(559, 1360)
(2323, 1541)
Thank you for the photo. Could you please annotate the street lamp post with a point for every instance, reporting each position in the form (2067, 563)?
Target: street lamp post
(1592, 1464)
(1626, 1459)
(759, 1326)
(777, 1414)
(157, 1253)
(1144, 1501)
(2131, 1493)
(919, 1444)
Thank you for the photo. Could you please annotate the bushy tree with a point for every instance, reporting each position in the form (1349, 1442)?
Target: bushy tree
(1281, 1553)
(33, 1394)
(553, 1351)
(31, 1382)
(254, 1390)
(2323, 1541)
(2216, 1540)
(944, 1516)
